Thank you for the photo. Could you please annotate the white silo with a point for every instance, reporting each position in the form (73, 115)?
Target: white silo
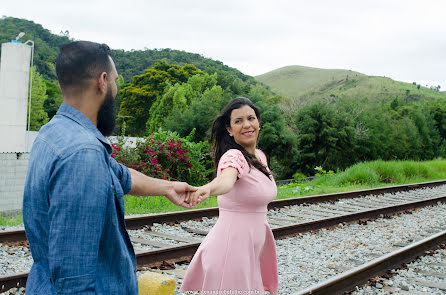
(14, 83)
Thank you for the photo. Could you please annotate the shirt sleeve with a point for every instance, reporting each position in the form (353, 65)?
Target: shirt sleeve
(235, 159)
(123, 174)
(79, 188)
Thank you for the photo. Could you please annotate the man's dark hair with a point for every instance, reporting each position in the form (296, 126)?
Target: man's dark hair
(80, 61)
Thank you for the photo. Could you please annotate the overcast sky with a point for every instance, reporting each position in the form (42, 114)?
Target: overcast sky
(401, 39)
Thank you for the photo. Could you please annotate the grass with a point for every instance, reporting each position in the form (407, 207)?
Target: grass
(373, 88)
(158, 204)
(368, 175)
(292, 81)
(305, 85)
(360, 176)
(11, 220)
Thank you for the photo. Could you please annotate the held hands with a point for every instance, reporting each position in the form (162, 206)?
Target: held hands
(187, 196)
(180, 194)
(218, 186)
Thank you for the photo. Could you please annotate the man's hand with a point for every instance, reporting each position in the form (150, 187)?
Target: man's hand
(180, 194)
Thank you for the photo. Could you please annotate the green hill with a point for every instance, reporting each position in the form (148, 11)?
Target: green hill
(128, 63)
(304, 85)
(371, 88)
(292, 81)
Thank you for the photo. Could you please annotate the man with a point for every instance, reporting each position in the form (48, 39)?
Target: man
(73, 206)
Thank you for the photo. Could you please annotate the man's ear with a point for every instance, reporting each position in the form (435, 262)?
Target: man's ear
(102, 83)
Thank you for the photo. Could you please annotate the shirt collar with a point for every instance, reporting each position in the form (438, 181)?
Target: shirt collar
(77, 116)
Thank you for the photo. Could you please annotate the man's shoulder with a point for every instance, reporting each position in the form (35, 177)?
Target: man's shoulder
(65, 136)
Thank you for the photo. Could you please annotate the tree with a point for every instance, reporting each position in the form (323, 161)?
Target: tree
(326, 138)
(276, 140)
(178, 97)
(137, 97)
(198, 115)
(54, 98)
(38, 95)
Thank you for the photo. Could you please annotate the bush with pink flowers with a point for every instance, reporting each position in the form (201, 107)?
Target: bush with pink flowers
(166, 155)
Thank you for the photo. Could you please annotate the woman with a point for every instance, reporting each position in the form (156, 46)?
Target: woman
(239, 253)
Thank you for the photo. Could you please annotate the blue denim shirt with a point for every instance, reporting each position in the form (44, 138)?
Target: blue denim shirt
(73, 210)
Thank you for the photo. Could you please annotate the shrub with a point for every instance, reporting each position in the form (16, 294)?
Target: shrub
(168, 156)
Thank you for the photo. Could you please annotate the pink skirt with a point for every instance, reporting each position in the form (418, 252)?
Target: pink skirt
(238, 256)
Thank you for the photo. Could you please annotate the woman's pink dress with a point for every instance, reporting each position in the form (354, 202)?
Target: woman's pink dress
(239, 253)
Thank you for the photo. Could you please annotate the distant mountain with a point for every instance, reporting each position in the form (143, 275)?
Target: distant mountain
(128, 63)
(306, 84)
(291, 81)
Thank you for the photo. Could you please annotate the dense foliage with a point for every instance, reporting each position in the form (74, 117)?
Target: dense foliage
(337, 135)
(38, 96)
(134, 62)
(137, 98)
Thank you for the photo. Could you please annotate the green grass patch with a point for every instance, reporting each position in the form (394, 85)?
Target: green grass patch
(11, 221)
(360, 176)
(368, 175)
(158, 204)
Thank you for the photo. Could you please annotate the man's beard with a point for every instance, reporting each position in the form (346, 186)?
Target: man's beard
(107, 115)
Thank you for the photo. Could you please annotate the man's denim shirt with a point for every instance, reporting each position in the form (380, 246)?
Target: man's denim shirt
(73, 210)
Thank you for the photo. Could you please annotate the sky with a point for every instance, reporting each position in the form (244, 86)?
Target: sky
(401, 39)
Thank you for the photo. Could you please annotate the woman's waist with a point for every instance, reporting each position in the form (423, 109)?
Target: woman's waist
(259, 211)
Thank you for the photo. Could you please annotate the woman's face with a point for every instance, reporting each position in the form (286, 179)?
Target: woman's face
(244, 127)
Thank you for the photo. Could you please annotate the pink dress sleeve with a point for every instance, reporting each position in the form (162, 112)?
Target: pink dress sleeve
(235, 159)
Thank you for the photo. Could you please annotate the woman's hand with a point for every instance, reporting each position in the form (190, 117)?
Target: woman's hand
(201, 194)
(219, 186)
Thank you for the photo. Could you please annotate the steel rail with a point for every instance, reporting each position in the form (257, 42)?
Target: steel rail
(178, 216)
(14, 281)
(347, 281)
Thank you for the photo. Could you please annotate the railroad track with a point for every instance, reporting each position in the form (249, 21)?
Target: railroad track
(358, 276)
(287, 218)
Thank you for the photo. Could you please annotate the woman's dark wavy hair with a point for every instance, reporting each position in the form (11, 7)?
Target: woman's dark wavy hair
(222, 141)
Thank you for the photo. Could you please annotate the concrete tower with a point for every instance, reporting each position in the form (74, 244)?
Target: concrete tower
(14, 83)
